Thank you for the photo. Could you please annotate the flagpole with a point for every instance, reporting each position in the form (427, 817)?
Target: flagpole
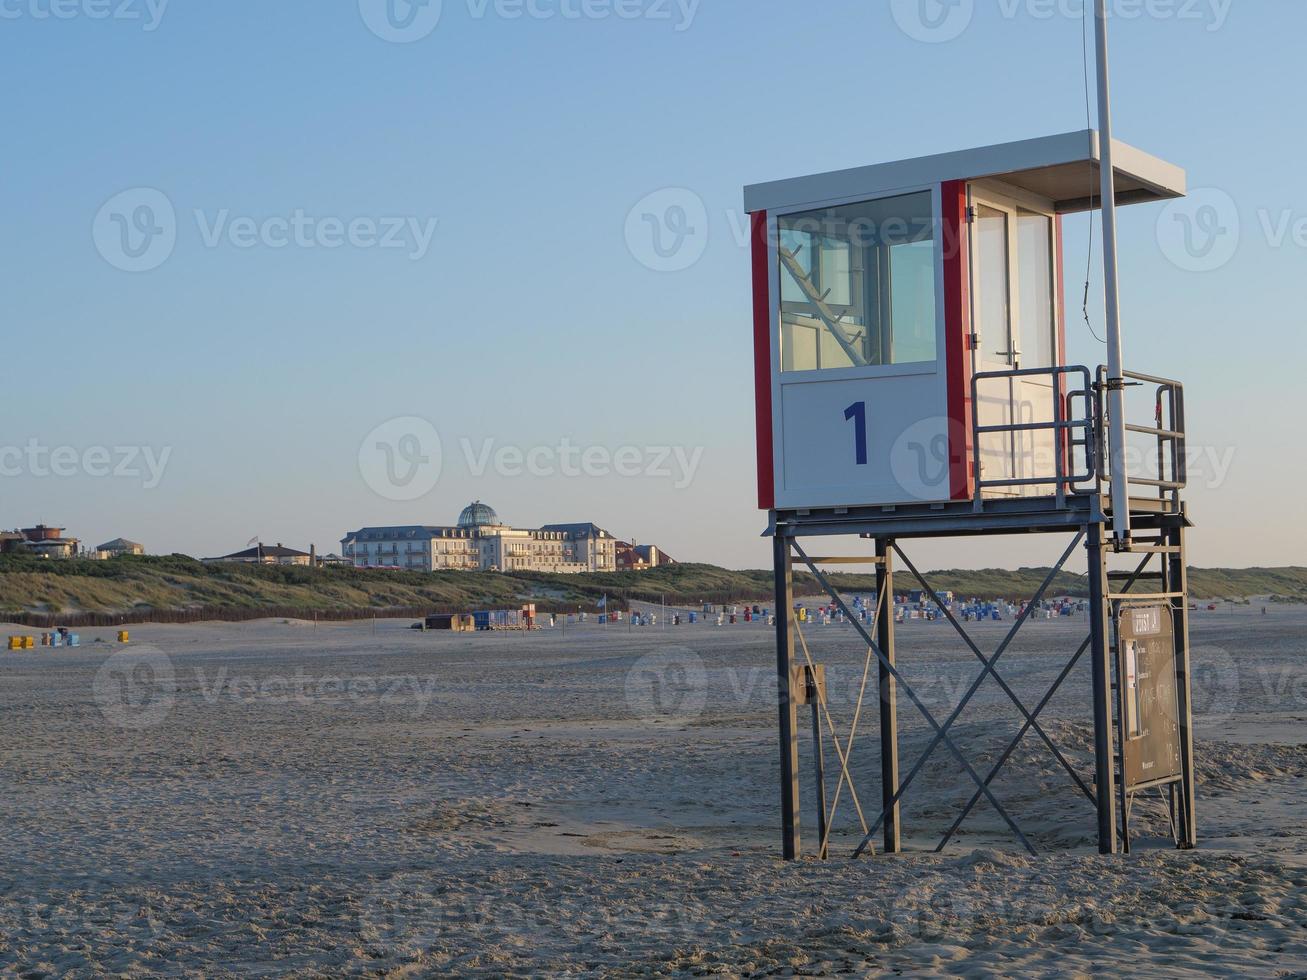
(1111, 281)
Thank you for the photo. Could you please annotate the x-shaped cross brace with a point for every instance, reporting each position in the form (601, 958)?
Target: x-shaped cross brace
(989, 668)
(941, 733)
(1030, 722)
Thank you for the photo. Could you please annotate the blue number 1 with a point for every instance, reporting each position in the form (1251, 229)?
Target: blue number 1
(857, 413)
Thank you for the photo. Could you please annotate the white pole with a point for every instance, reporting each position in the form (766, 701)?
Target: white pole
(1115, 382)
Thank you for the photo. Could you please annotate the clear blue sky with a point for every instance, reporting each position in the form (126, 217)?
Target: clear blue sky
(528, 319)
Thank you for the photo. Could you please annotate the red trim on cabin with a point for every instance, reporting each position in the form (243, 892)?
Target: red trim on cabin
(762, 358)
(957, 330)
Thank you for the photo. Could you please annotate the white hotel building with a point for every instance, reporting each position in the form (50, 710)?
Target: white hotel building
(479, 542)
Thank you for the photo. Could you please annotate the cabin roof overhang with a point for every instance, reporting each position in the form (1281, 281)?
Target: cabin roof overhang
(1063, 169)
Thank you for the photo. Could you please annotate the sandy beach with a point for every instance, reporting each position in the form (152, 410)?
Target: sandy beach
(363, 799)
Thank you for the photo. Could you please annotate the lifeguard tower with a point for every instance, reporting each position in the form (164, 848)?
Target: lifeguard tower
(912, 382)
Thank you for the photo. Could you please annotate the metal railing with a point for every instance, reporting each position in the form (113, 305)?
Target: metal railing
(1064, 426)
(1168, 429)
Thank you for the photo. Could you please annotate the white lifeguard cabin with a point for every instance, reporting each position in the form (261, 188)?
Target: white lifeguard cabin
(910, 317)
(912, 383)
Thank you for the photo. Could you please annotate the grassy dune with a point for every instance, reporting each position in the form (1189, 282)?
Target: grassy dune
(176, 583)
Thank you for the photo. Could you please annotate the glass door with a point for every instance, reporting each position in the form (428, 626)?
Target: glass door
(992, 274)
(1014, 325)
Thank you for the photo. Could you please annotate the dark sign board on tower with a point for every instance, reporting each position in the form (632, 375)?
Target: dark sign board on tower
(1150, 726)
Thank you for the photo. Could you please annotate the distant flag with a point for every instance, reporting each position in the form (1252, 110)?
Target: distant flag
(603, 603)
(252, 541)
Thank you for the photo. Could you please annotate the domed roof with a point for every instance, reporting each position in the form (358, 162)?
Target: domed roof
(477, 514)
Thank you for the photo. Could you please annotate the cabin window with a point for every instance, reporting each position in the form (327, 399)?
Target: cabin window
(858, 285)
(1035, 256)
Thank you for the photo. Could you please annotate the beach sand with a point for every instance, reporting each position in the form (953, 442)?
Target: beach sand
(360, 799)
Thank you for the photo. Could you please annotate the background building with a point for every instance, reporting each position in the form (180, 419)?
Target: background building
(266, 555)
(118, 546)
(481, 542)
(41, 541)
(638, 557)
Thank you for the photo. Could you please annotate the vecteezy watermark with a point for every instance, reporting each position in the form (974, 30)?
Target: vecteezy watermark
(406, 21)
(920, 458)
(35, 459)
(680, 13)
(450, 918)
(136, 688)
(136, 231)
(667, 231)
(1214, 684)
(147, 13)
(302, 230)
(401, 21)
(668, 686)
(1203, 232)
(940, 21)
(676, 463)
(309, 691)
(933, 21)
(933, 907)
(401, 459)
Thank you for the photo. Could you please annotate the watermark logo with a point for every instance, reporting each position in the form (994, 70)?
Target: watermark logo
(939, 21)
(407, 912)
(401, 460)
(136, 688)
(299, 229)
(35, 459)
(1214, 684)
(668, 686)
(667, 231)
(570, 461)
(147, 13)
(407, 21)
(401, 21)
(933, 21)
(919, 459)
(934, 908)
(1201, 232)
(303, 690)
(136, 230)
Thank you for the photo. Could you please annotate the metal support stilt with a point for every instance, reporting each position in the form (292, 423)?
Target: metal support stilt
(1112, 293)
(1100, 661)
(789, 729)
(1178, 576)
(1125, 798)
(889, 722)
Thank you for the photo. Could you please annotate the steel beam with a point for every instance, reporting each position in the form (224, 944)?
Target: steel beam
(1179, 582)
(889, 720)
(1100, 666)
(789, 728)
